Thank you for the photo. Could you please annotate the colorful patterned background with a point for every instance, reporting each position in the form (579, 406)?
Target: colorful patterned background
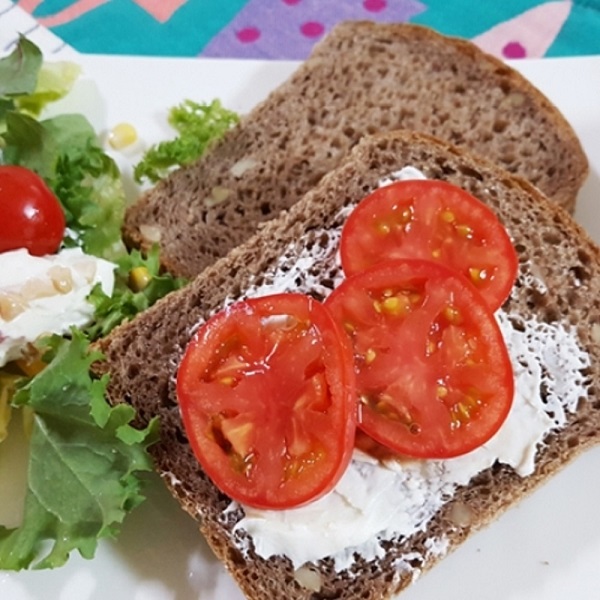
(287, 29)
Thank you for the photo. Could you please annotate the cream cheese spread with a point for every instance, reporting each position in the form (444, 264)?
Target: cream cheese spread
(376, 501)
(46, 294)
(380, 501)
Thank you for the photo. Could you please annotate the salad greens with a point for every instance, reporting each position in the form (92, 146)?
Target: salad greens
(85, 457)
(129, 298)
(198, 125)
(27, 83)
(19, 73)
(65, 152)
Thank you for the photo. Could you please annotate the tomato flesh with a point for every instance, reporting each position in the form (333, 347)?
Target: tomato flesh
(32, 217)
(267, 396)
(434, 377)
(432, 220)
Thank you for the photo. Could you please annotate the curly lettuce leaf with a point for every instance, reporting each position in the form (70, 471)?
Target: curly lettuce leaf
(197, 125)
(84, 457)
(89, 186)
(126, 300)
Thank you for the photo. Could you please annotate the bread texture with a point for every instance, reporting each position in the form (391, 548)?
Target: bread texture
(363, 78)
(558, 286)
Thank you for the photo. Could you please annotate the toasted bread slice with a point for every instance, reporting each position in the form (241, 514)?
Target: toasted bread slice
(363, 78)
(557, 290)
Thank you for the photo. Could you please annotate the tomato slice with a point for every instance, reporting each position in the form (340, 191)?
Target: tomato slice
(32, 216)
(432, 220)
(268, 399)
(434, 377)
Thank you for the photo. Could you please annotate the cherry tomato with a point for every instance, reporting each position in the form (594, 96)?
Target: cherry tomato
(32, 216)
(267, 395)
(434, 377)
(433, 220)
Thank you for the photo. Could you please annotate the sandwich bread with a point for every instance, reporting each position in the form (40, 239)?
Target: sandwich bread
(553, 309)
(363, 78)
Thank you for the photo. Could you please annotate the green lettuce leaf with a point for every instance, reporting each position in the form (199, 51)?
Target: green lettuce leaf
(84, 457)
(19, 70)
(55, 80)
(126, 300)
(197, 125)
(28, 84)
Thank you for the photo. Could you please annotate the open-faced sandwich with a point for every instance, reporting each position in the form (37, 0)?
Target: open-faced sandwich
(399, 501)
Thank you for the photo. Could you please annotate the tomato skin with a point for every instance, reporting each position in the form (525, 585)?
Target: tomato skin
(432, 220)
(267, 395)
(32, 216)
(434, 378)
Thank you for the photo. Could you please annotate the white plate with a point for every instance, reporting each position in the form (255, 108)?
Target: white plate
(548, 547)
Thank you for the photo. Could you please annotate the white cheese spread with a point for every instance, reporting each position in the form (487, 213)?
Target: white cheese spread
(380, 501)
(377, 501)
(46, 294)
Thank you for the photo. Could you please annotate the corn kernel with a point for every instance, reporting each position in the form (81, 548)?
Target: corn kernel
(139, 278)
(122, 135)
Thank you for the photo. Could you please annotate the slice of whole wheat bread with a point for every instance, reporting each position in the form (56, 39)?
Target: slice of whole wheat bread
(558, 286)
(361, 79)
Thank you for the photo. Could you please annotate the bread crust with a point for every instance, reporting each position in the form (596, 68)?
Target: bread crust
(361, 79)
(142, 356)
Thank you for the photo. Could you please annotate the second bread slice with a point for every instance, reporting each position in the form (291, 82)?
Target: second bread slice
(363, 78)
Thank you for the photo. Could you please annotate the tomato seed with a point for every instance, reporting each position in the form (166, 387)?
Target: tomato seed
(448, 216)
(383, 228)
(370, 356)
(464, 231)
(452, 314)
